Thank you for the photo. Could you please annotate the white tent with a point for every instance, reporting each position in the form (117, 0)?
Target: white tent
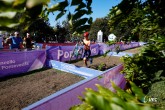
(111, 37)
(100, 36)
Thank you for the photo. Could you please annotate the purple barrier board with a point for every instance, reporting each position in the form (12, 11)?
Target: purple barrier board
(104, 47)
(68, 97)
(128, 46)
(12, 63)
(18, 62)
(63, 53)
(113, 75)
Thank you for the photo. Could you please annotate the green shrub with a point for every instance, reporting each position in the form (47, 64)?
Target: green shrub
(148, 66)
(104, 99)
(102, 67)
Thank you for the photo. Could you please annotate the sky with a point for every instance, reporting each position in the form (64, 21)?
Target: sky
(100, 9)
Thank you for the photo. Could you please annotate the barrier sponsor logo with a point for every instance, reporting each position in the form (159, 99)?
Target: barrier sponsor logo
(7, 62)
(12, 63)
(65, 54)
(5, 67)
(93, 50)
(150, 99)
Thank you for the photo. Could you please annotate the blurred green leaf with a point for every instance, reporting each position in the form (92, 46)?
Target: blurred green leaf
(123, 94)
(7, 15)
(90, 20)
(59, 6)
(8, 25)
(97, 101)
(60, 14)
(32, 3)
(35, 11)
(104, 91)
(54, 7)
(6, 21)
(76, 2)
(147, 107)
(137, 91)
(79, 14)
(83, 28)
(18, 2)
(131, 105)
(84, 106)
(89, 2)
(116, 107)
(80, 22)
(104, 99)
(12, 25)
(5, 6)
(69, 16)
(89, 11)
(118, 101)
(80, 6)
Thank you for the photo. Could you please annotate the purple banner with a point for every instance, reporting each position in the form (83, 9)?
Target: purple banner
(52, 52)
(135, 44)
(12, 63)
(114, 76)
(105, 47)
(129, 45)
(24, 61)
(63, 53)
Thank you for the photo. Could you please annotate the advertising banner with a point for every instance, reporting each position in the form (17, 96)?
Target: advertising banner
(104, 47)
(19, 62)
(63, 53)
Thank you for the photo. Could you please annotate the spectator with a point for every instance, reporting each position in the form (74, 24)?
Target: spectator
(16, 41)
(1, 42)
(28, 41)
(9, 41)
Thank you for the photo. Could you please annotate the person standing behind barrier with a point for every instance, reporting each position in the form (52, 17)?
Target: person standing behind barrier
(8, 40)
(1, 42)
(87, 51)
(28, 41)
(16, 41)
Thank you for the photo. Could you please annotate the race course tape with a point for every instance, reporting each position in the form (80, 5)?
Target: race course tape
(81, 71)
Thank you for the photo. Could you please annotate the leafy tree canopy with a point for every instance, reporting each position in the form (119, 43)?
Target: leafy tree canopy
(15, 12)
(136, 20)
